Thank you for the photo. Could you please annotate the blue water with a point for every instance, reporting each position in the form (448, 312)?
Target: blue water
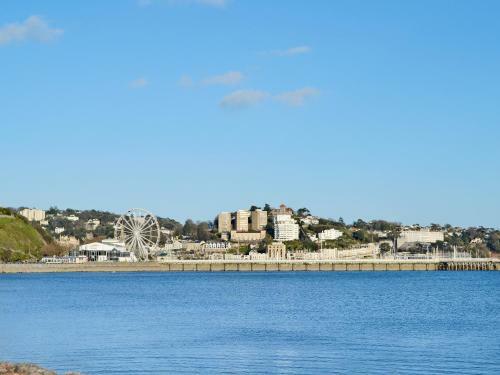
(290, 323)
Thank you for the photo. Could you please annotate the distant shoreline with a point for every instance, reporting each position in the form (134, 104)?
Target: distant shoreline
(490, 264)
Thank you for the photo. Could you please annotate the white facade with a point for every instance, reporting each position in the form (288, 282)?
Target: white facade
(65, 259)
(423, 235)
(285, 228)
(172, 246)
(310, 220)
(33, 214)
(217, 245)
(329, 234)
(72, 218)
(59, 230)
(107, 250)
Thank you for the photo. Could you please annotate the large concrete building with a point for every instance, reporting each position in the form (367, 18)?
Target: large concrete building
(33, 214)
(247, 236)
(242, 217)
(224, 222)
(285, 228)
(259, 220)
(422, 236)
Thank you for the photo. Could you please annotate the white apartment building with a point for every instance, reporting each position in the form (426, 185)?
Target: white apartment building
(285, 228)
(33, 214)
(422, 235)
(72, 218)
(59, 230)
(329, 234)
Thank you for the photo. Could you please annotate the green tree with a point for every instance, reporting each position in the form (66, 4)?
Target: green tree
(189, 229)
(202, 231)
(385, 247)
(303, 212)
(53, 210)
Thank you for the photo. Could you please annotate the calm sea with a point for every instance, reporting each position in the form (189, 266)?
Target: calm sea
(290, 323)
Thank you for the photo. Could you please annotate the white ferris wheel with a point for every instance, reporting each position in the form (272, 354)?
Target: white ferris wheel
(140, 231)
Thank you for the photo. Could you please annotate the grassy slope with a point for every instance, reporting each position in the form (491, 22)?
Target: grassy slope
(18, 240)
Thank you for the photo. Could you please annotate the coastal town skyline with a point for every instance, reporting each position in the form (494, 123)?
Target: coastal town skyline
(212, 218)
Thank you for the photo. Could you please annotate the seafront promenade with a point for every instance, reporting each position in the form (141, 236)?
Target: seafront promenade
(487, 264)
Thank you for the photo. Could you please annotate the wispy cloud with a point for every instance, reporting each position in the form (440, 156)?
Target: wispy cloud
(185, 81)
(229, 78)
(299, 50)
(243, 98)
(296, 98)
(139, 83)
(247, 98)
(34, 28)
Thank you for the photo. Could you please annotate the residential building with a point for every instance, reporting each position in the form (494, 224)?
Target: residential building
(33, 214)
(173, 246)
(310, 220)
(247, 236)
(72, 218)
(259, 220)
(92, 224)
(224, 222)
(59, 230)
(216, 246)
(422, 235)
(276, 250)
(282, 210)
(329, 234)
(285, 228)
(242, 217)
(68, 241)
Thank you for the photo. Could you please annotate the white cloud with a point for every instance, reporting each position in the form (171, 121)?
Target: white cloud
(33, 28)
(299, 50)
(243, 98)
(229, 78)
(296, 98)
(139, 83)
(185, 81)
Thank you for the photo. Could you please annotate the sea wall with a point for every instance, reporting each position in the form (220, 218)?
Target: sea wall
(260, 266)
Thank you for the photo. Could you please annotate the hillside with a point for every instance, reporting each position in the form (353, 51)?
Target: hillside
(19, 240)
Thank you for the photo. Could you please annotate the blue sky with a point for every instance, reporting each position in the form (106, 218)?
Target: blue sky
(359, 109)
